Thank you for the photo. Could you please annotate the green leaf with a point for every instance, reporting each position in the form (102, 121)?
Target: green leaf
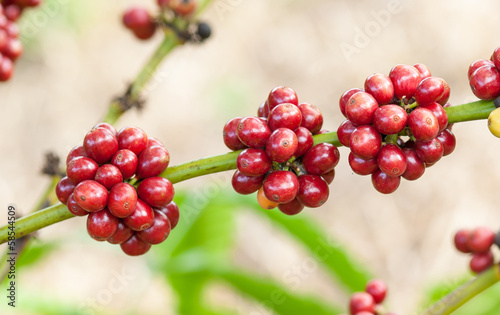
(337, 260)
(35, 252)
(274, 296)
(486, 303)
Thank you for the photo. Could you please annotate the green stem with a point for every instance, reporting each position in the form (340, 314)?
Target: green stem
(470, 111)
(463, 294)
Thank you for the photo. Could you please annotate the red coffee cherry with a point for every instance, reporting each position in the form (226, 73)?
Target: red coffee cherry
(280, 95)
(461, 240)
(424, 71)
(440, 114)
(361, 302)
(423, 124)
(253, 132)
(377, 289)
(253, 162)
(291, 208)
(321, 159)
(345, 98)
(100, 145)
(134, 246)
(329, 176)
(429, 152)
(478, 64)
(158, 232)
(485, 82)
(101, 224)
(384, 183)
(106, 126)
(429, 90)
(244, 184)
(141, 218)
(281, 186)
(230, 135)
(126, 161)
(81, 168)
(140, 22)
(156, 191)
(312, 119)
(313, 190)
(108, 175)
(75, 152)
(481, 261)
(390, 119)
(121, 234)
(172, 212)
(448, 141)
(64, 189)
(281, 145)
(133, 139)
(91, 196)
(391, 160)
(405, 79)
(480, 239)
(360, 108)
(305, 141)
(344, 132)
(152, 162)
(285, 115)
(74, 208)
(380, 87)
(361, 166)
(365, 142)
(122, 200)
(415, 168)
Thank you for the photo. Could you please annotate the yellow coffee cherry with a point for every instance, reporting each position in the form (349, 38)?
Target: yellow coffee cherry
(494, 122)
(263, 201)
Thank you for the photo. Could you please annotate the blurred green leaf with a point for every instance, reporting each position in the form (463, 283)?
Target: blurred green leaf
(274, 296)
(443, 288)
(337, 260)
(36, 303)
(35, 252)
(486, 303)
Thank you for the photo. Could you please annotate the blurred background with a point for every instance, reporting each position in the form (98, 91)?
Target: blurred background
(78, 56)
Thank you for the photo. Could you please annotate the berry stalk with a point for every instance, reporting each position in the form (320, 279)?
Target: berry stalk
(220, 163)
(460, 296)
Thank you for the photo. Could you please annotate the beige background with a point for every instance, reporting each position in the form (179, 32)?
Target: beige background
(79, 57)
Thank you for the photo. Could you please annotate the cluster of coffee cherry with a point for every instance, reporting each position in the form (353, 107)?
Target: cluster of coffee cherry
(369, 302)
(477, 242)
(10, 45)
(397, 125)
(484, 77)
(99, 182)
(144, 25)
(279, 159)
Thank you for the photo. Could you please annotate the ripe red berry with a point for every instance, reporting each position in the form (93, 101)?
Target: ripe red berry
(321, 159)
(361, 166)
(141, 218)
(405, 79)
(100, 145)
(478, 64)
(291, 208)
(152, 162)
(172, 212)
(313, 190)
(134, 246)
(280, 95)
(305, 141)
(263, 110)
(365, 142)
(158, 232)
(461, 240)
(6, 69)
(81, 168)
(108, 175)
(253, 132)
(361, 302)
(390, 119)
(429, 152)
(391, 160)
(423, 124)
(126, 161)
(253, 162)
(485, 82)
(380, 87)
(446, 95)
(329, 176)
(230, 135)
(344, 132)
(360, 108)
(281, 186)
(429, 90)
(64, 189)
(106, 126)
(495, 57)
(481, 261)
(75, 152)
(180, 7)
(377, 289)
(244, 184)
(415, 168)
(281, 145)
(424, 71)
(480, 239)
(122, 200)
(101, 224)
(448, 141)
(121, 234)
(285, 115)
(345, 98)
(384, 183)
(156, 191)
(440, 114)
(133, 139)
(74, 208)
(12, 11)
(152, 142)
(91, 196)
(139, 21)
(312, 118)
(13, 49)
